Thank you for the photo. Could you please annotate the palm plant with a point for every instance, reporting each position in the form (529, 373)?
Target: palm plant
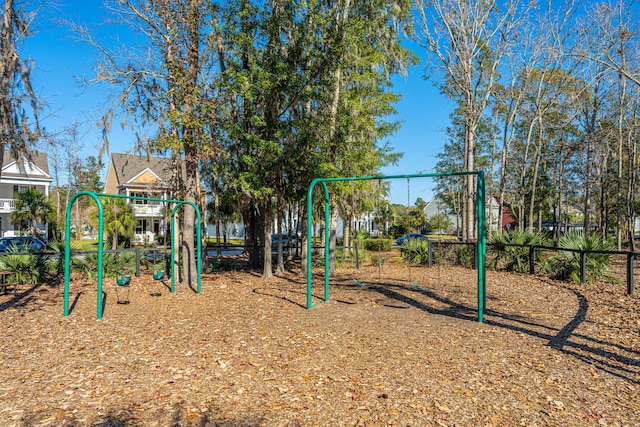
(119, 223)
(416, 251)
(56, 264)
(566, 264)
(32, 206)
(515, 258)
(27, 268)
(114, 264)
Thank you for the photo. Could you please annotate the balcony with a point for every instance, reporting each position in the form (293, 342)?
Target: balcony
(7, 205)
(147, 209)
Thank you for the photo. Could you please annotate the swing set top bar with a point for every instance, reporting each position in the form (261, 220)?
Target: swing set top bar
(481, 243)
(384, 177)
(96, 198)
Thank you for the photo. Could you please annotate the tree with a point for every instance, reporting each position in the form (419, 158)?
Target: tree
(88, 176)
(32, 207)
(167, 91)
(19, 105)
(119, 223)
(439, 223)
(467, 40)
(308, 96)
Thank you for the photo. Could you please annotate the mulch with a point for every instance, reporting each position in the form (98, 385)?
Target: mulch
(403, 348)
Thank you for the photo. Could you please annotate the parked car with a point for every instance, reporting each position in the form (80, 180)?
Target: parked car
(23, 244)
(285, 239)
(400, 241)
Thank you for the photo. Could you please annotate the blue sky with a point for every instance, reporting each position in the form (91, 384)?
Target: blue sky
(61, 61)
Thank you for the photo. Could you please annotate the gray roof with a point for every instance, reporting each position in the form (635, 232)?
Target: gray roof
(128, 166)
(38, 159)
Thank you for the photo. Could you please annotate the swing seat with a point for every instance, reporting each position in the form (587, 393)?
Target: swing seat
(123, 281)
(419, 288)
(158, 275)
(362, 285)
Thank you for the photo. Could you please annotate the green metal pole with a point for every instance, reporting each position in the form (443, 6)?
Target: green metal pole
(67, 249)
(481, 245)
(309, 239)
(199, 246)
(327, 219)
(172, 239)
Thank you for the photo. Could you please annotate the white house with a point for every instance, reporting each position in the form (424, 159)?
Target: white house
(16, 176)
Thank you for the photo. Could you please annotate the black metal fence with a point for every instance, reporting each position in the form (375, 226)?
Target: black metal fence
(629, 256)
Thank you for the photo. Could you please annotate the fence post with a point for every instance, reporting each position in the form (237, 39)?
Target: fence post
(137, 262)
(630, 259)
(475, 256)
(583, 266)
(430, 250)
(357, 259)
(532, 259)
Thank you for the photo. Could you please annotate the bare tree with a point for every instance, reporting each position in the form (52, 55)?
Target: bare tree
(612, 38)
(467, 42)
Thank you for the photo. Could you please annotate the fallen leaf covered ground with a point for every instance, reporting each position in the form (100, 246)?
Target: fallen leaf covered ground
(401, 348)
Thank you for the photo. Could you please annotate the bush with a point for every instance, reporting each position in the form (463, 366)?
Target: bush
(27, 268)
(464, 255)
(515, 258)
(360, 235)
(566, 264)
(377, 244)
(114, 264)
(416, 251)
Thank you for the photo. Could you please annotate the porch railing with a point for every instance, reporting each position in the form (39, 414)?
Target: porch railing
(7, 205)
(147, 209)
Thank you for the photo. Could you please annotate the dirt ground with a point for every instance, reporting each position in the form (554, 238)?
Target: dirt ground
(403, 349)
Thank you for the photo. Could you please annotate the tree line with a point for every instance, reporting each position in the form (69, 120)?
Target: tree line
(547, 100)
(258, 98)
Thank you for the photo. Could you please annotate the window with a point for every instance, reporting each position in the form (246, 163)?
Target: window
(141, 226)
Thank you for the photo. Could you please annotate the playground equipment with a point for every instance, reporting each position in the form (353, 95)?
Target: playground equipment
(95, 197)
(123, 282)
(481, 243)
(158, 271)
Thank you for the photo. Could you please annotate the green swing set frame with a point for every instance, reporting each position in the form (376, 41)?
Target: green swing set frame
(481, 244)
(96, 197)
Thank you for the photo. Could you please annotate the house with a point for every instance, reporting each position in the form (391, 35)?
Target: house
(18, 175)
(437, 207)
(142, 176)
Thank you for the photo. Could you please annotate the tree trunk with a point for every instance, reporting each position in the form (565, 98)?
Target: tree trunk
(333, 225)
(346, 235)
(280, 261)
(304, 235)
(189, 215)
(267, 223)
(534, 179)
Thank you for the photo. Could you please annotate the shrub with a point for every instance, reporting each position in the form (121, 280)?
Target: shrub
(114, 264)
(27, 268)
(416, 251)
(566, 264)
(56, 264)
(360, 235)
(515, 258)
(377, 244)
(464, 255)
